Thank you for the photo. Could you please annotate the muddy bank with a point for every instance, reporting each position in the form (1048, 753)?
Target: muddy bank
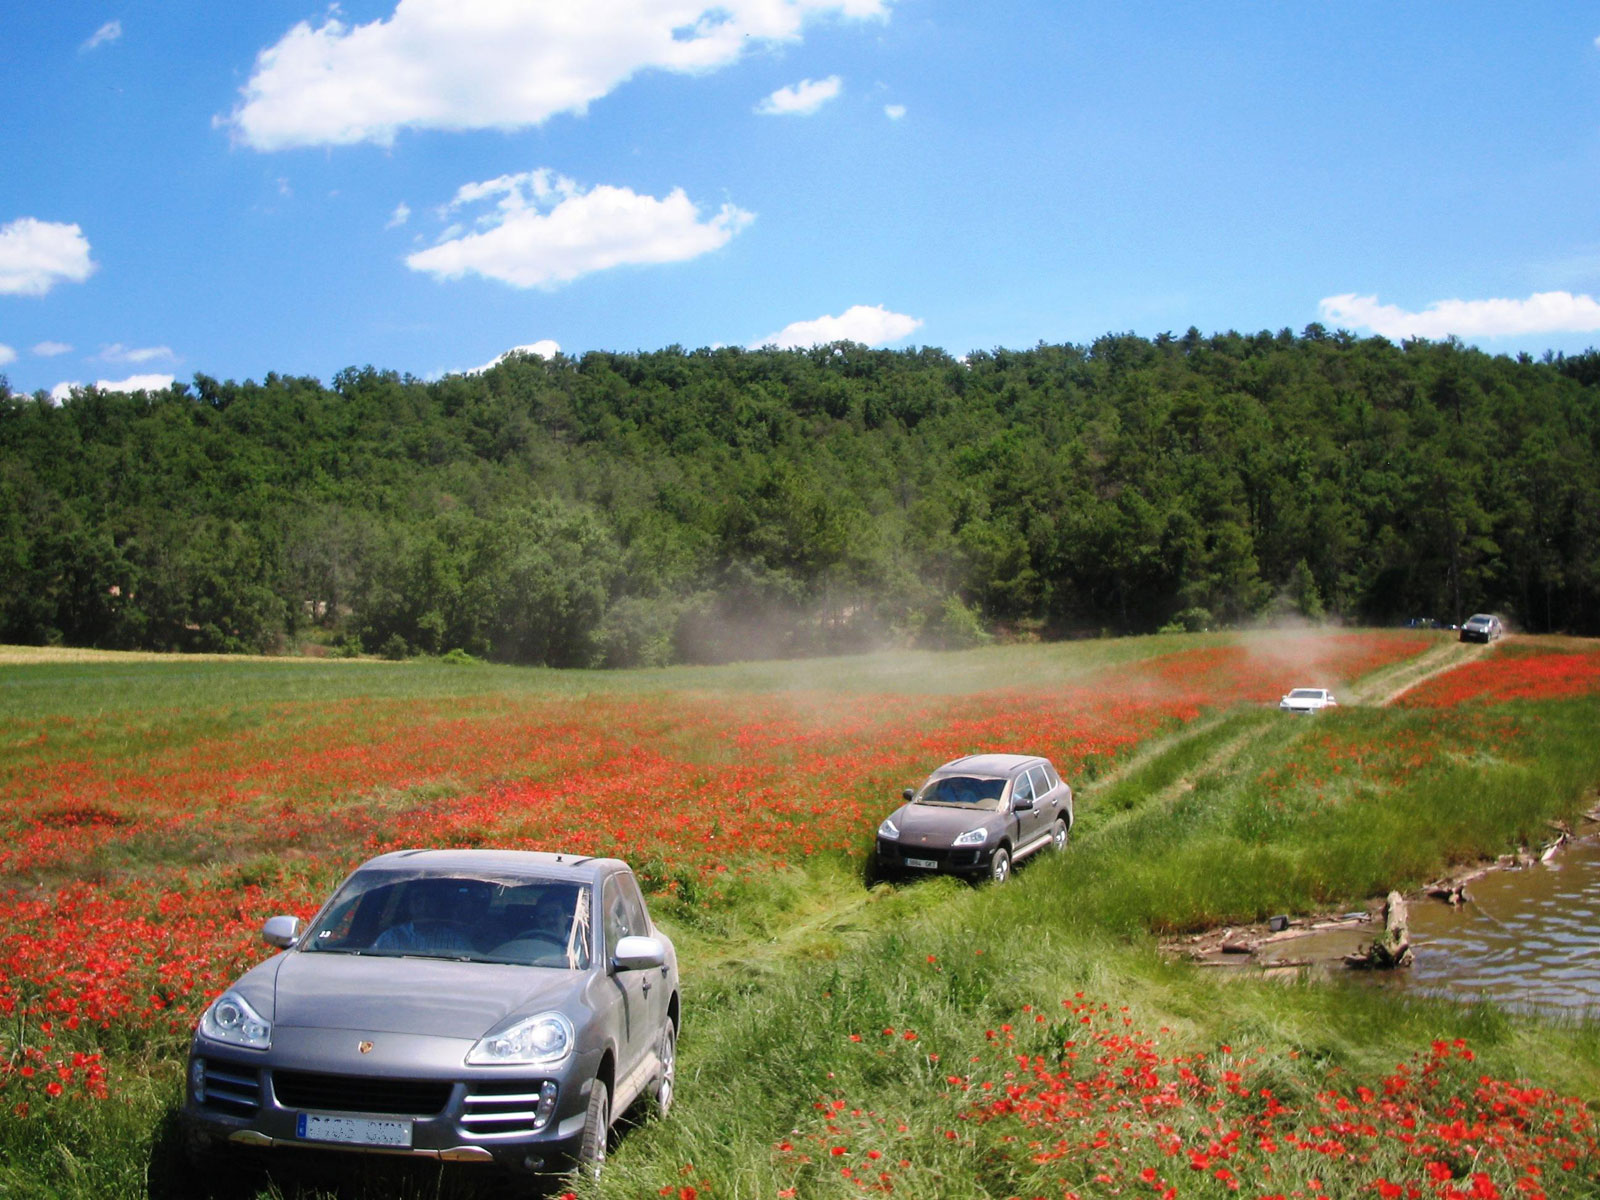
(1491, 928)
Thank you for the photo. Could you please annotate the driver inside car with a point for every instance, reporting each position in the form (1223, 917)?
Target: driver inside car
(434, 920)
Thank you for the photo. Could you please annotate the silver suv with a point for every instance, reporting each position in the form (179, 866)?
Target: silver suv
(478, 1006)
(976, 817)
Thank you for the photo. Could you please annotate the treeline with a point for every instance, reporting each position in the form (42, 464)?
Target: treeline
(621, 509)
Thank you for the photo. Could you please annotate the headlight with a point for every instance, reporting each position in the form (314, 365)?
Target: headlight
(230, 1019)
(972, 837)
(544, 1041)
(889, 829)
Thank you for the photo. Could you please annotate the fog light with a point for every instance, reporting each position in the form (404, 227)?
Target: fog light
(197, 1079)
(547, 1105)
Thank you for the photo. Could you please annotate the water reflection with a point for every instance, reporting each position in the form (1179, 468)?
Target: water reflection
(1526, 938)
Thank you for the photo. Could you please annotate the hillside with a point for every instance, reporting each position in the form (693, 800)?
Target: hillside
(672, 506)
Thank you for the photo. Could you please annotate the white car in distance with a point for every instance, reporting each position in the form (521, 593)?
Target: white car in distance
(1307, 700)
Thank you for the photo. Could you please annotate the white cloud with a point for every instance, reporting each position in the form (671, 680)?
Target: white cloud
(481, 64)
(401, 214)
(118, 353)
(135, 383)
(544, 230)
(36, 255)
(801, 99)
(1542, 312)
(109, 32)
(51, 349)
(544, 348)
(7, 354)
(894, 111)
(871, 326)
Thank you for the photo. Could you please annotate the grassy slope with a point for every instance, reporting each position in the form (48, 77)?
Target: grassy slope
(789, 969)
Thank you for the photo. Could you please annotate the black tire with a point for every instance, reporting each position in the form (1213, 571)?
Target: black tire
(665, 1088)
(1060, 833)
(1000, 866)
(596, 1132)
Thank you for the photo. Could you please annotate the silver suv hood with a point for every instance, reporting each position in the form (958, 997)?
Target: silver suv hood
(411, 995)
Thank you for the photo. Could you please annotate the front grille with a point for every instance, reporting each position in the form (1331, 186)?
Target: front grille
(899, 852)
(505, 1106)
(232, 1089)
(362, 1094)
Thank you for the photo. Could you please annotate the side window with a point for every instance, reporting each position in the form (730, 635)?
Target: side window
(624, 911)
(1022, 789)
(615, 915)
(1041, 781)
(638, 920)
(1050, 774)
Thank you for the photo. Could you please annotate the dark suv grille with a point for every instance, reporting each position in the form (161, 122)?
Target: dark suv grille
(356, 1093)
(889, 851)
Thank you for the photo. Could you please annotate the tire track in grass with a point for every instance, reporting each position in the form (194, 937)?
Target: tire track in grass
(1407, 675)
(1170, 769)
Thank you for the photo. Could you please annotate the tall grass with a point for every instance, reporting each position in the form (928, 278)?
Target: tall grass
(1285, 826)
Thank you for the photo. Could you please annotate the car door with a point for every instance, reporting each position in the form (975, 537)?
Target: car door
(655, 982)
(1027, 819)
(637, 1033)
(1051, 796)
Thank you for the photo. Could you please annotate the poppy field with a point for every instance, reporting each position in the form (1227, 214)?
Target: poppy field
(1076, 1100)
(143, 846)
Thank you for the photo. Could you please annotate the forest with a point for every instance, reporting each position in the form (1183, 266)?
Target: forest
(640, 509)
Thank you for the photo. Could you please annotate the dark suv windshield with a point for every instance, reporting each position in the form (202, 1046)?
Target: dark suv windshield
(963, 791)
(530, 922)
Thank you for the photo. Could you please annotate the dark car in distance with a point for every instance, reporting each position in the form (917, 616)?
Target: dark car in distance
(976, 817)
(498, 1007)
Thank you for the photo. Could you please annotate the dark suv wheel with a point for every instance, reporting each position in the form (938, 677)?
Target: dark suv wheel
(1000, 865)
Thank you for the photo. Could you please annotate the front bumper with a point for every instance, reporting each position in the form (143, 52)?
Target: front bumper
(901, 859)
(476, 1117)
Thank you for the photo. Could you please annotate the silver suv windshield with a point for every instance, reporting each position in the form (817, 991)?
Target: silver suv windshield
(963, 791)
(471, 918)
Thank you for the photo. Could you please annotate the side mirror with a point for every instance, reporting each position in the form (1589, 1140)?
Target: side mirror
(1023, 805)
(639, 954)
(909, 793)
(282, 932)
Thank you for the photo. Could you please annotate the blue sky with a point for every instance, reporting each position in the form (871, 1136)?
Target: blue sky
(421, 185)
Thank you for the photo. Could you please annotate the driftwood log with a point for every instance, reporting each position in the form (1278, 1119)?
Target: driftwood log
(1451, 892)
(1393, 948)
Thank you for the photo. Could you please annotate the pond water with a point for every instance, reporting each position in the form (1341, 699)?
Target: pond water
(1526, 938)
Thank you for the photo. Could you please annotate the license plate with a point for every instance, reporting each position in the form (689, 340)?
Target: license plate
(354, 1131)
(928, 863)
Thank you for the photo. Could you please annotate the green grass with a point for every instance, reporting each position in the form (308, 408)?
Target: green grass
(1236, 816)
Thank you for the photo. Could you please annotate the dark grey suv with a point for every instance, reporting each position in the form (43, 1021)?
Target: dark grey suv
(475, 1006)
(976, 817)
